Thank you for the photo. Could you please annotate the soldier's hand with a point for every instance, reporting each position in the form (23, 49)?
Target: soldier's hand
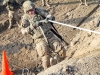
(49, 17)
(46, 20)
(37, 23)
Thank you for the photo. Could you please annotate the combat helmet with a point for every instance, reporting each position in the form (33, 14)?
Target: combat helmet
(27, 5)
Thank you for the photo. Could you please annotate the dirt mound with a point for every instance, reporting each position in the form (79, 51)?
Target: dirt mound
(83, 65)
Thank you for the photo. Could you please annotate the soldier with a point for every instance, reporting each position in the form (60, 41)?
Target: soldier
(13, 11)
(83, 1)
(12, 8)
(46, 41)
(45, 2)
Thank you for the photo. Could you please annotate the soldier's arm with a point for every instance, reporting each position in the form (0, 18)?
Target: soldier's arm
(24, 21)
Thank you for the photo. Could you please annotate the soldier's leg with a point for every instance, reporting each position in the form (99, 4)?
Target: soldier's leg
(53, 59)
(10, 23)
(47, 3)
(57, 47)
(60, 50)
(43, 52)
(43, 2)
(17, 18)
(10, 15)
(81, 2)
(46, 61)
(86, 3)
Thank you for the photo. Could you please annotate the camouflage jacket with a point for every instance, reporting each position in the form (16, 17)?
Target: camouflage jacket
(40, 14)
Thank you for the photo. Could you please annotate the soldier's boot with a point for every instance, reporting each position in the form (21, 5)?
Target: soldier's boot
(10, 15)
(53, 61)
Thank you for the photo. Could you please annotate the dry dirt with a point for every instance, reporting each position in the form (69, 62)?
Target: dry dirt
(82, 58)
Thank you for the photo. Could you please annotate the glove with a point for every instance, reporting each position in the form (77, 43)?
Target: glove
(37, 23)
(49, 17)
(46, 20)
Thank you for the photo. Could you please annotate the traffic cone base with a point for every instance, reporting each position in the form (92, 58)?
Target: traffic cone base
(5, 67)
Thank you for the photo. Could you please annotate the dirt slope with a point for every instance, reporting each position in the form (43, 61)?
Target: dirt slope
(80, 58)
(84, 65)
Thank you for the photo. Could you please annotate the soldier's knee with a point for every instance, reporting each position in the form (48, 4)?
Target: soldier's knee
(45, 61)
(54, 60)
(42, 49)
(57, 46)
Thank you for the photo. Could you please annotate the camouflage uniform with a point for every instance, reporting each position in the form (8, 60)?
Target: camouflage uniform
(44, 49)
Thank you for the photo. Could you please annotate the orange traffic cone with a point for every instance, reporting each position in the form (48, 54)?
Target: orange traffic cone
(5, 67)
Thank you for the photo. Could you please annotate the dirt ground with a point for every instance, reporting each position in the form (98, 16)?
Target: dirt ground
(82, 58)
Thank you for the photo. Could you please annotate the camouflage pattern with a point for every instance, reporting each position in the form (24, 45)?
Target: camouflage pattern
(44, 48)
(46, 61)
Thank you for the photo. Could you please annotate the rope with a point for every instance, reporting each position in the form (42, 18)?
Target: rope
(75, 27)
(43, 34)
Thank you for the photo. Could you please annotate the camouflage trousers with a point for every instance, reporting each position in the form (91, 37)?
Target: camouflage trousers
(51, 53)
